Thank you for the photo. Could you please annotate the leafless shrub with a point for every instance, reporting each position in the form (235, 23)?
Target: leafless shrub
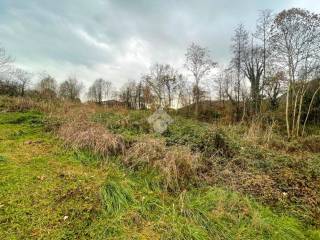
(145, 153)
(90, 136)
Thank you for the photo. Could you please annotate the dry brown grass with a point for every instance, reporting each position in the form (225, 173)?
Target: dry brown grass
(260, 132)
(90, 136)
(145, 152)
(21, 104)
(236, 177)
(177, 165)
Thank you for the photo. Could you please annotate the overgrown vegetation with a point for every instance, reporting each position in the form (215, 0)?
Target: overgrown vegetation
(198, 181)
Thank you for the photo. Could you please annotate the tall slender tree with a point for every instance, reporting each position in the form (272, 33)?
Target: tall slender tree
(199, 63)
(238, 47)
(263, 33)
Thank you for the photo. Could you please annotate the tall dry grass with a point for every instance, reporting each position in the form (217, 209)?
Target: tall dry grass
(22, 104)
(177, 165)
(261, 132)
(82, 134)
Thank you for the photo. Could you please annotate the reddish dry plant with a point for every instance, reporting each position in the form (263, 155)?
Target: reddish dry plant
(177, 165)
(91, 136)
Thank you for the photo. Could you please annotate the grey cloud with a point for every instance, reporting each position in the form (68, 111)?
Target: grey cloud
(119, 39)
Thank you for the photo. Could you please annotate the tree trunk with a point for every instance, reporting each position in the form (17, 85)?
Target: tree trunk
(287, 110)
(196, 110)
(296, 97)
(244, 110)
(299, 111)
(309, 109)
(22, 90)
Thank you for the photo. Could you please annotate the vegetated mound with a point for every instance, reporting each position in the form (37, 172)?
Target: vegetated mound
(91, 136)
(245, 160)
(113, 103)
(208, 110)
(203, 138)
(129, 124)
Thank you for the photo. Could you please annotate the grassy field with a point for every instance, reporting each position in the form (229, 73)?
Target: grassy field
(51, 191)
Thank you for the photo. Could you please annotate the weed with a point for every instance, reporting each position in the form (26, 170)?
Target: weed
(116, 195)
(90, 136)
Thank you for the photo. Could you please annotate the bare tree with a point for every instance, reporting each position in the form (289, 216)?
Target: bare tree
(199, 63)
(239, 45)
(295, 41)
(140, 94)
(99, 90)
(154, 81)
(170, 80)
(47, 86)
(227, 90)
(5, 61)
(162, 81)
(128, 94)
(8, 85)
(218, 82)
(263, 33)
(23, 79)
(253, 70)
(70, 89)
(184, 93)
(309, 108)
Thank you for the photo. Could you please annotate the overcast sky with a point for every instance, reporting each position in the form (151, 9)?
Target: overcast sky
(119, 39)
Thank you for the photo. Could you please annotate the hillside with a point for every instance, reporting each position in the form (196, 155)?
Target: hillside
(198, 181)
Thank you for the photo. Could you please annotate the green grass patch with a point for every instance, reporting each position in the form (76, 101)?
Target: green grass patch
(117, 195)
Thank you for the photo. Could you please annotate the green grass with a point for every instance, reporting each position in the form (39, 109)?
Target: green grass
(49, 192)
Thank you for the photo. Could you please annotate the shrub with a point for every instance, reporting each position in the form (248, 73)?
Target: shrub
(16, 104)
(200, 138)
(214, 143)
(144, 153)
(177, 165)
(128, 123)
(89, 136)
